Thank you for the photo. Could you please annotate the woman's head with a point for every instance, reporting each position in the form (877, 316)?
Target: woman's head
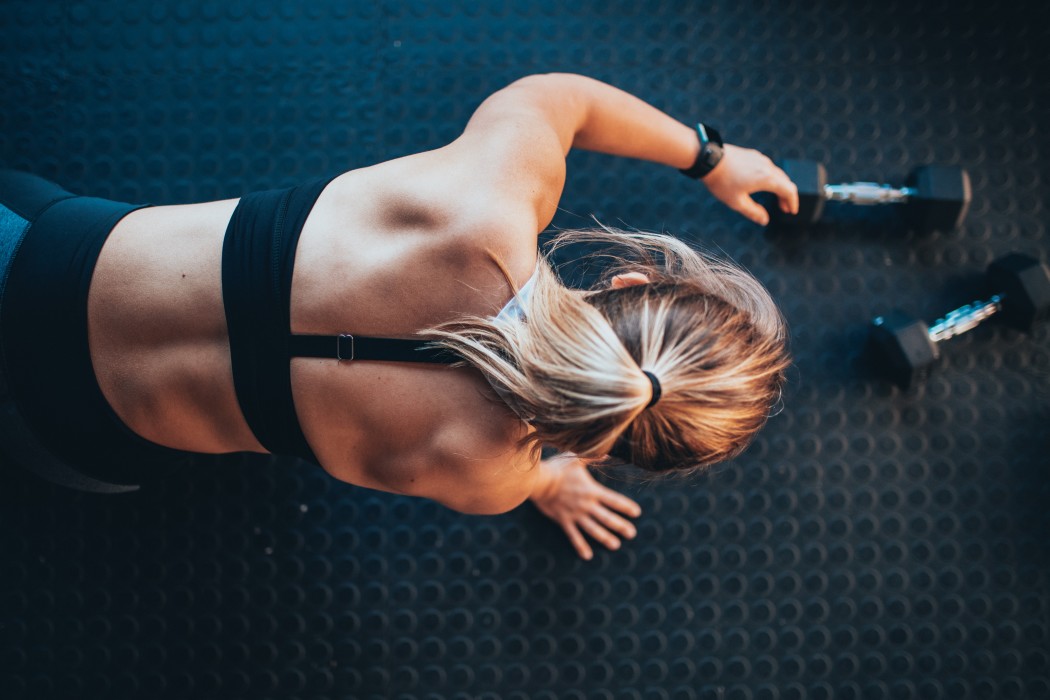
(719, 374)
(575, 369)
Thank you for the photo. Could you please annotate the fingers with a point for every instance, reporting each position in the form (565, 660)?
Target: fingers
(780, 185)
(792, 200)
(751, 209)
(621, 503)
(599, 533)
(785, 190)
(615, 523)
(577, 539)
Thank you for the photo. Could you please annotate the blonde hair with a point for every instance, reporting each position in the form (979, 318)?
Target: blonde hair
(573, 368)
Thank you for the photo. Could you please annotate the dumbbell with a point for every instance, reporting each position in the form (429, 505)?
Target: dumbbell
(908, 348)
(935, 197)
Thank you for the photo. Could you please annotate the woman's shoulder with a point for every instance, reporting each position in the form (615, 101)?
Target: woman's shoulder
(454, 444)
(420, 206)
(485, 469)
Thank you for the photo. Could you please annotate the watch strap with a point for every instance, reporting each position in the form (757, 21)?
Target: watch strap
(710, 155)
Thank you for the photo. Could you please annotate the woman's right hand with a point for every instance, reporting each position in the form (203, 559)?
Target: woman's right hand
(744, 171)
(568, 494)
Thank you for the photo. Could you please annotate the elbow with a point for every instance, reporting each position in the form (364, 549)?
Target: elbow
(533, 79)
(548, 80)
(533, 84)
(490, 506)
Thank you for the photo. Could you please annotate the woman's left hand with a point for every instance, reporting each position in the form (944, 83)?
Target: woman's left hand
(571, 497)
(745, 171)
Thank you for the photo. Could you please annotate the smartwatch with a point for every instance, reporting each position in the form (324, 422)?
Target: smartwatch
(710, 155)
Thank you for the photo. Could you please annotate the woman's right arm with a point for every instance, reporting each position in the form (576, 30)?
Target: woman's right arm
(564, 490)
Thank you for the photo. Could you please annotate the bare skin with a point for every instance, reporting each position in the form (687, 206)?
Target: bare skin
(388, 250)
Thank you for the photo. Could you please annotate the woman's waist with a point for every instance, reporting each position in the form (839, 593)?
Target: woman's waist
(178, 394)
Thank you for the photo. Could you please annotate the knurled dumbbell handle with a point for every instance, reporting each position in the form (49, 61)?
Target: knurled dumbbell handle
(868, 193)
(964, 318)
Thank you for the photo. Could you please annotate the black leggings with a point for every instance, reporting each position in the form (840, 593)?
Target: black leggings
(54, 419)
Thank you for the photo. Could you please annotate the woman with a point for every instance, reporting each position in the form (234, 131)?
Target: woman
(133, 335)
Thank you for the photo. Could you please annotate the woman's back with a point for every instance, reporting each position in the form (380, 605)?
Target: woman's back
(385, 251)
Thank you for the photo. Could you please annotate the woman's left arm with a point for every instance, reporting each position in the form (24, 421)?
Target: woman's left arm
(539, 118)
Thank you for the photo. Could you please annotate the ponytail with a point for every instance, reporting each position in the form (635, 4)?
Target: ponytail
(582, 367)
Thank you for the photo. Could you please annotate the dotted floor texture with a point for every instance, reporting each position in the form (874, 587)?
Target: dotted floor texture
(872, 544)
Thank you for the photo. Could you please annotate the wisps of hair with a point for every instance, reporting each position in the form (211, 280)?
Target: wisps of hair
(573, 368)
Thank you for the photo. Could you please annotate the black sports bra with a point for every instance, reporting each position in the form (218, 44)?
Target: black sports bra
(258, 256)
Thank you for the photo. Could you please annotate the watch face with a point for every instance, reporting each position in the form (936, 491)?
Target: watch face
(713, 135)
(713, 153)
(708, 134)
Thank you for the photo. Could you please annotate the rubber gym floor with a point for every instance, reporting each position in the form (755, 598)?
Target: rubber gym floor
(872, 543)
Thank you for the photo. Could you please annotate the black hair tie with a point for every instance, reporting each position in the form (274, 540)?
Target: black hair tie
(657, 391)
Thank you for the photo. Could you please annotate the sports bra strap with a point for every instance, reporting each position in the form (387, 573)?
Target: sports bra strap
(360, 347)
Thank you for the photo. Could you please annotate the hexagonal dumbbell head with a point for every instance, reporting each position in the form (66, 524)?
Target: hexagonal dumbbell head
(942, 199)
(809, 177)
(903, 346)
(1024, 284)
